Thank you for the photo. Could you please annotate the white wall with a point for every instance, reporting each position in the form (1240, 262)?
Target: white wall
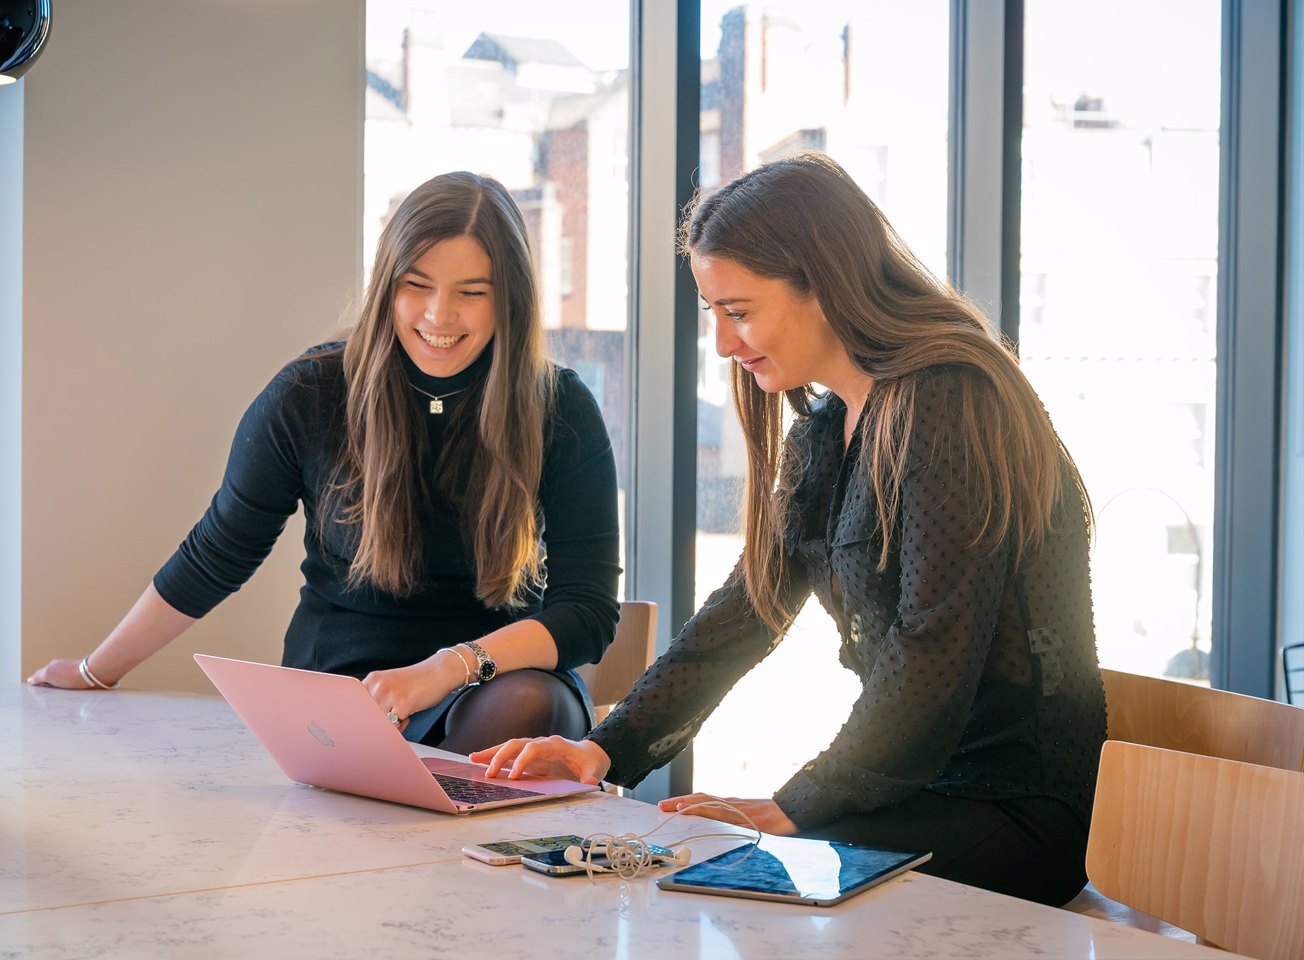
(192, 191)
(11, 376)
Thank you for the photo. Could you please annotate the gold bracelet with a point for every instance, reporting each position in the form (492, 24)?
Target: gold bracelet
(466, 682)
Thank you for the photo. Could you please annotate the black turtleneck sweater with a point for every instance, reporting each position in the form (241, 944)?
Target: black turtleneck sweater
(284, 452)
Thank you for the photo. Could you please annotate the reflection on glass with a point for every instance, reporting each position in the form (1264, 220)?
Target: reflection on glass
(1118, 302)
(867, 83)
(536, 96)
(792, 867)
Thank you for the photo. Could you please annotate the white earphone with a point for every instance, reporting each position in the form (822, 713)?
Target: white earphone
(628, 858)
(630, 855)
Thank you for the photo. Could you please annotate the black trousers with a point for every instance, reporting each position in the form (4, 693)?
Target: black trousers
(1033, 847)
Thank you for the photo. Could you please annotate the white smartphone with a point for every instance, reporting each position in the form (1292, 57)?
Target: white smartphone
(500, 853)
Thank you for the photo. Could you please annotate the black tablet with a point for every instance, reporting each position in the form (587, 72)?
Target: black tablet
(793, 870)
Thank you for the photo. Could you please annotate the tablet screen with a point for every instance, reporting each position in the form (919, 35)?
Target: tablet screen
(791, 868)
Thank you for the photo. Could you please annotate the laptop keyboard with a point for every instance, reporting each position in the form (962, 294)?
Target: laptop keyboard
(476, 791)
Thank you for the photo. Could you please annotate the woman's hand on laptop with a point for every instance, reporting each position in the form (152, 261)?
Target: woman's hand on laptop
(556, 757)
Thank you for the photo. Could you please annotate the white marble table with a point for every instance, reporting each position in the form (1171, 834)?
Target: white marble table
(143, 825)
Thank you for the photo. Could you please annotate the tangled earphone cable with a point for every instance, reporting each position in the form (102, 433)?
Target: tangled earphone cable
(629, 855)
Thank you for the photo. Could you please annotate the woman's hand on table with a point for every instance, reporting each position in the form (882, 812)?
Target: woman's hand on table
(766, 814)
(557, 757)
(60, 673)
(149, 626)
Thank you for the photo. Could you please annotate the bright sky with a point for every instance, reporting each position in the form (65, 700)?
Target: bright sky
(601, 40)
(1145, 57)
(819, 16)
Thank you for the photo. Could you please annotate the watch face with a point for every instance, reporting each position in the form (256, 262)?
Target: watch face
(487, 669)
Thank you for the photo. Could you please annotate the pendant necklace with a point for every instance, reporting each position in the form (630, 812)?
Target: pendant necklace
(436, 402)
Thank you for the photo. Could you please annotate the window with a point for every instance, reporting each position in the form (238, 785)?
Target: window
(868, 86)
(537, 97)
(1119, 275)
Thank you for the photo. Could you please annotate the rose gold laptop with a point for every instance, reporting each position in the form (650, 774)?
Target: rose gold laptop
(326, 730)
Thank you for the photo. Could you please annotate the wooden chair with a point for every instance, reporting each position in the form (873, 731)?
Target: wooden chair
(1213, 846)
(1292, 662)
(1182, 716)
(1213, 723)
(632, 652)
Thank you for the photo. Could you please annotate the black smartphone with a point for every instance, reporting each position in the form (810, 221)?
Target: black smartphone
(555, 864)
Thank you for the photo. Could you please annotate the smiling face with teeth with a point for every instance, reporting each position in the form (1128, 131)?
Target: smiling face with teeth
(444, 307)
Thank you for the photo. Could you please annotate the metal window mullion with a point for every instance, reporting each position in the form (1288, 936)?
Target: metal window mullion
(1291, 624)
(1011, 168)
(1247, 508)
(985, 144)
(664, 154)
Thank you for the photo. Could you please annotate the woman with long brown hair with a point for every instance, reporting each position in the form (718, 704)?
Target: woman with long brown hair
(924, 497)
(459, 491)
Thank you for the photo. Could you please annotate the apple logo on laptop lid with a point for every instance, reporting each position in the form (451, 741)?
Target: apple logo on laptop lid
(321, 735)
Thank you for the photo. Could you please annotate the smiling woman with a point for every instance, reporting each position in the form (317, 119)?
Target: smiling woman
(775, 333)
(444, 307)
(925, 499)
(430, 451)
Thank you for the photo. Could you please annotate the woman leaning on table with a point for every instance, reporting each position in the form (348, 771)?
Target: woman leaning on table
(928, 503)
(435, 452)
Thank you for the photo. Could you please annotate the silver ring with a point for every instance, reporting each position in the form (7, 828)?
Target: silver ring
(393, 717)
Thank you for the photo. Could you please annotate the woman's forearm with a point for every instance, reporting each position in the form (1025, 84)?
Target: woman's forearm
(525, 643)
(149, 626)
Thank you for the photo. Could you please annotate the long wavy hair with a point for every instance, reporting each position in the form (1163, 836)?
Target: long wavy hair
(804, 221)
(491, 461)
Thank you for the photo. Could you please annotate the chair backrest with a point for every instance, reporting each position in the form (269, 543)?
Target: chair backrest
(631, 653)
(1214, 723)
(1212, 846)
(1292, 661)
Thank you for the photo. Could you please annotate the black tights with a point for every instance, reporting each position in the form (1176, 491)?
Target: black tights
(523, 703)
(1033, 847)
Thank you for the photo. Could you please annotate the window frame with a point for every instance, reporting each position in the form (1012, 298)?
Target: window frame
(1252, 501)
(665, 144)
(1291, 612)
(1248, 511)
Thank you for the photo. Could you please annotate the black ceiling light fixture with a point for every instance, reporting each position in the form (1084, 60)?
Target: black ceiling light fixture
(24, 29)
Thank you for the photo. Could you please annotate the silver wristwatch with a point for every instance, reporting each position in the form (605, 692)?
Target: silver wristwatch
(486, 669)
